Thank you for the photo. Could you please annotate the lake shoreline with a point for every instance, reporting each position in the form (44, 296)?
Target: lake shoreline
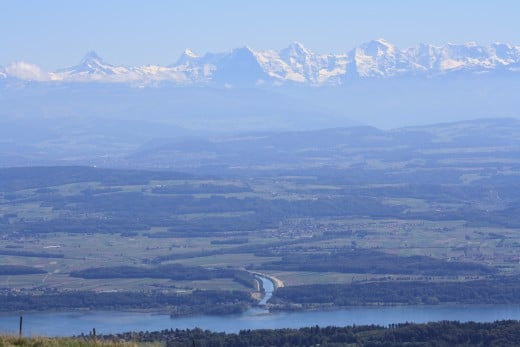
(269, 309)
(75, 323)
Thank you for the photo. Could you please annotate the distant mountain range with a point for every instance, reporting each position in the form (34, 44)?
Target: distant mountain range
(295, 65)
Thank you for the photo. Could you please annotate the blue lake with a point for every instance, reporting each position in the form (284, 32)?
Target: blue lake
(75, 323)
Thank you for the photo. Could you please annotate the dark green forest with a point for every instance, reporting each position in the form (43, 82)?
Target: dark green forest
(375, 262)
(498, 290)
(212, 302)
(445, 333)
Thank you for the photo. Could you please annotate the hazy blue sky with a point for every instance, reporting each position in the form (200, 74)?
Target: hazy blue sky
(54, 33)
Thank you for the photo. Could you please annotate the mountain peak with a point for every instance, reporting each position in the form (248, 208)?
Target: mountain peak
(240, 67)
(376, 48)
(92, 64)
(243, 53)
(379, 43)
(297, 45)
(297, 64)
(243, 50)
(91, 56)
(189, 53)
(186, 57)
(296, 49)
(382, 41)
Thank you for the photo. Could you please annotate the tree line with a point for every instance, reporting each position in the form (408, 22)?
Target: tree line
(441, 334)
(498, 290)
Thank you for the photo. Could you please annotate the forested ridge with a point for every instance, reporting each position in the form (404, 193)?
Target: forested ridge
(373, 261)
(214, 302)
(499, 290)
(444, 333)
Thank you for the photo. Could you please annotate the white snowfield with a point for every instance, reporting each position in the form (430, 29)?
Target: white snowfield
(294, 64)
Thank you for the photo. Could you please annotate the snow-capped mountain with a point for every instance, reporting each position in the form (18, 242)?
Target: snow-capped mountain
(94, 68)
(91, 68)
(93, 64)
(376, 58)
(295, 64)
(239, 67)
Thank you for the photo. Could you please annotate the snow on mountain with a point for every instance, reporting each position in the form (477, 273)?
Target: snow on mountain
(239, 67)
(90, 67)
(93, 68)
(506, 56)
(422, 58)
(376, 58)
(187, 57)
(468, 56)
(298, 64)
(154, 73)
(276, 68)
(198, 69)
(505, 53)
(302, 62)
(294, 64)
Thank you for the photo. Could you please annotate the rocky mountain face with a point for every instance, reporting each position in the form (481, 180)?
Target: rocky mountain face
(295, 65)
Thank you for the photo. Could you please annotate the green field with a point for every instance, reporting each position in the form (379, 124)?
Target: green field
(441, 199)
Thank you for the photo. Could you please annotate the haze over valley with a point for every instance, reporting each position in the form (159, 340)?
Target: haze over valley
(251, 191)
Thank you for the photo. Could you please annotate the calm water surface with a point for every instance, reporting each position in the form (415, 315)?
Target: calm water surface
(107, 322)
(75, 323)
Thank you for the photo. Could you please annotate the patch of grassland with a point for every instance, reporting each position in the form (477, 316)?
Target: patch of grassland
(301, 231)
(297, 278)
(213, 284)
(223, 260)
